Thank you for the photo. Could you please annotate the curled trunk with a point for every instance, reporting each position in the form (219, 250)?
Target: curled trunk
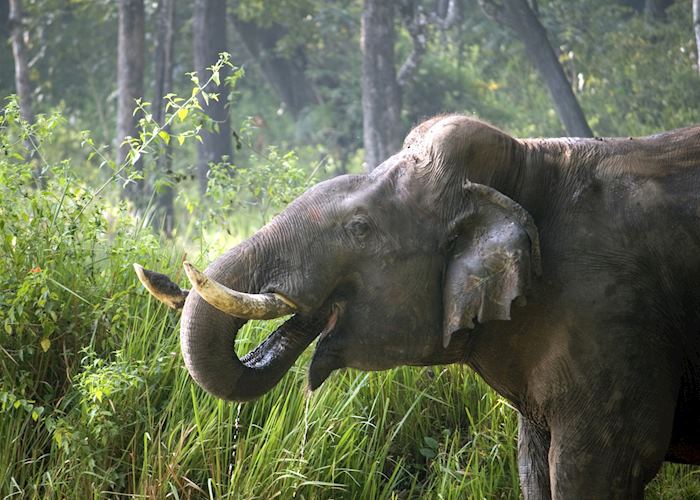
(207, 336)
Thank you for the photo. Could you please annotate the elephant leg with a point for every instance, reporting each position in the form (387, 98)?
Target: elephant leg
(599, 453)
(614, 473)
(533, 459)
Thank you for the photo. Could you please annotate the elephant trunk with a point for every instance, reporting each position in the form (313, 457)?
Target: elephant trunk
(207, 335)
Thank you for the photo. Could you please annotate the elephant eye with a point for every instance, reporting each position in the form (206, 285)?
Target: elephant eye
(358, 227)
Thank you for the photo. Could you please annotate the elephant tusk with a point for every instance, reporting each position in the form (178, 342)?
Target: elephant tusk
(161, 287)
(239, 304)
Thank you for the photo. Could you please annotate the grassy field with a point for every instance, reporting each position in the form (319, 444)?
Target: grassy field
(407, 433)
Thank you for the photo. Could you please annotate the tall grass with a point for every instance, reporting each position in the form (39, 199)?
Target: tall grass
(407, 433)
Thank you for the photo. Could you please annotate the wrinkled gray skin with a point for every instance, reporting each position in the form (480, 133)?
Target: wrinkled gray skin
(602, 362)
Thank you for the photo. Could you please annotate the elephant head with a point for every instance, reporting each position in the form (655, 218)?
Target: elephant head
(383, 268)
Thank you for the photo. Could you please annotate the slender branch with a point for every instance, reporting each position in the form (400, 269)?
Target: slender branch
(136, 153)
(416, 23)
(494, 11)
(453, 16)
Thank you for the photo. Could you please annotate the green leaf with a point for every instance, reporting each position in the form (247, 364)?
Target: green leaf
(432, 443)
(45, 344)
(215, 78)
(180, 139)
(182, 114)
(165, 136)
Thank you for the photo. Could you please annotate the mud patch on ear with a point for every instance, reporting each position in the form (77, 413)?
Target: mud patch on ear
(495, 256)
(483, 287)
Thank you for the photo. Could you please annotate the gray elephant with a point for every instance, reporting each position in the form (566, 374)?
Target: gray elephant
(566, 272)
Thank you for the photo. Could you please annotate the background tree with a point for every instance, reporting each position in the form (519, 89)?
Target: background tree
(285, 71)
(382, 84)
(18, 33)
(130, 65)
(209, 31)
(4, 20)
(19, 52)
(381, 95)
(163, 80)
(608, 51)
(519, 17)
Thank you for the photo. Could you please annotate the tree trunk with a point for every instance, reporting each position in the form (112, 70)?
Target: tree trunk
(164, 217)
(209, 30)
(19, 51)
(22, 85)
(381, 94)
(285, 74)
(696, 25)
(130, 62)
(517, 15)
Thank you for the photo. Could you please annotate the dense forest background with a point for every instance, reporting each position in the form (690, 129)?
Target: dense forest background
(341, 82)
(147, 131)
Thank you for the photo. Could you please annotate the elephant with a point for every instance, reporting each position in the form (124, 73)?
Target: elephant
(565, 272)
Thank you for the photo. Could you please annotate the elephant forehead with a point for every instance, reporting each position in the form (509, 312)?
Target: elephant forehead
(389, 186)
(337, 187)
(392, 167)
(325, 198)
(371, 192)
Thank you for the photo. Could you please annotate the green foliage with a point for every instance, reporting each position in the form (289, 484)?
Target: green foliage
(633, 76)
(65, 287)
(259, 186)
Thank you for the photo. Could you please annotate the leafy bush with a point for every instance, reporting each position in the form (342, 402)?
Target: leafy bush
(259, 186)
(66, 289)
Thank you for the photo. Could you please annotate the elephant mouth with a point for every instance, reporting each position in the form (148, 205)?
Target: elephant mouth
(325, 359)
(332, 321)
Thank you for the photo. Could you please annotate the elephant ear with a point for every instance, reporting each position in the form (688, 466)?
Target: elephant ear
(495, 253)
